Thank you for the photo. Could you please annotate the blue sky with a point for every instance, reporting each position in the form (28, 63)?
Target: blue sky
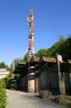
(52, 19)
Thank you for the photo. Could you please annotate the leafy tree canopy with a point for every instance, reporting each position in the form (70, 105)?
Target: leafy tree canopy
(63, 47)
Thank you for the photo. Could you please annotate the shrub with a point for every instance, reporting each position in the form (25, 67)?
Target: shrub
(2, 95)
(69, 104)
(64, 100)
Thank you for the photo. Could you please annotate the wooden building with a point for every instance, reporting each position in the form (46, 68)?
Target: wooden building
(44, 75)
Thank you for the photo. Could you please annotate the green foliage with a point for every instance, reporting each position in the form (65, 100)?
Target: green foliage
(25, 58)
(55, 48)
(16, 61)
(41, 53)
(2, 95)
(69, 104)
(8, 77)
(61, 38)
(63, 47)
(3, 65)
(64, 100)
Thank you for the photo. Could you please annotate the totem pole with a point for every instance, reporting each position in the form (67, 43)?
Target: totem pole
(30, 19)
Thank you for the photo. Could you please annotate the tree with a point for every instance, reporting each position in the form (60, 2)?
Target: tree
(41, 53)
(25, 58)
(3, 65)
(61, 38)
(63, 47)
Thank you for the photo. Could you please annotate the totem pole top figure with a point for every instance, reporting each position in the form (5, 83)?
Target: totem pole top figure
(30, 17)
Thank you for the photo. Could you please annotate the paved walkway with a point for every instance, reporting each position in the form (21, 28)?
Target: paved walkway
(18, 99)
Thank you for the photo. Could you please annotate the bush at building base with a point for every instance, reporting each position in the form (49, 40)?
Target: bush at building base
(2, 95)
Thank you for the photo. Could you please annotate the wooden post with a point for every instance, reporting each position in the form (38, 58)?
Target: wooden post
(61, 76)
